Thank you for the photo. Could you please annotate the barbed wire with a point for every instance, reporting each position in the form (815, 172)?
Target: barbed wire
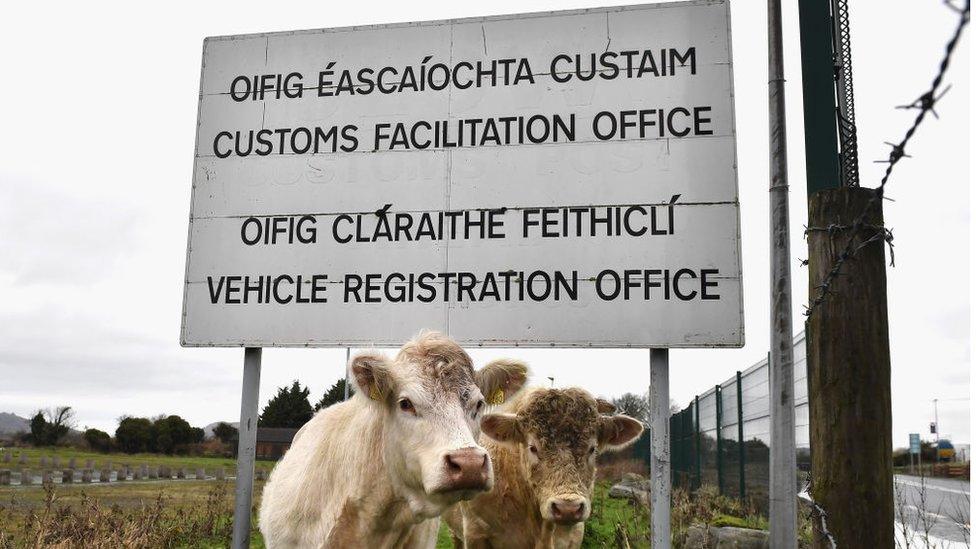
(925, 104)
(820, 512)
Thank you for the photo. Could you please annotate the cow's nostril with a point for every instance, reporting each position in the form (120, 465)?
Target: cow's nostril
(451, 464)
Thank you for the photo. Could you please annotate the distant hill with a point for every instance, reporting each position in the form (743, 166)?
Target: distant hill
(208, 430)
(11, 424)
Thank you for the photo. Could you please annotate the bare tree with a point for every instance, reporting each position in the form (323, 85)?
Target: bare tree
(632, 405)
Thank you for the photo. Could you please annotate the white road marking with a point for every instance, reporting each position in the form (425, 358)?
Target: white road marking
(931, 486)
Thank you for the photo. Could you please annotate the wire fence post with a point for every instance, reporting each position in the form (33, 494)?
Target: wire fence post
(742, 445)
(718, 439)
(697, 444)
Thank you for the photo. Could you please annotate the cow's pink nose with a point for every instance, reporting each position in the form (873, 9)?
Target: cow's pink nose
(467, 469)
(567, 510)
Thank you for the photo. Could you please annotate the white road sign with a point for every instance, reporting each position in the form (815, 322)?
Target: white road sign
(547, 179)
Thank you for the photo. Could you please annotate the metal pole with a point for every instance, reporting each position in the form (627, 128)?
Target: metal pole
(742, 444)
(658, 421)
(718, 440)
(782, 455)
(345, 387)
(697, 445)
(246, 441)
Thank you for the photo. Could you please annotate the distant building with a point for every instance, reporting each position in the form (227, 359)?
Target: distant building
(273, 442)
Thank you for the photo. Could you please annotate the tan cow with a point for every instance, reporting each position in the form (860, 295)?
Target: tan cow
(543, 447)
(378, 469)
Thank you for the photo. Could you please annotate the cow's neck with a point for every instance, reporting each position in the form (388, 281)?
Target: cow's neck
(379, 513)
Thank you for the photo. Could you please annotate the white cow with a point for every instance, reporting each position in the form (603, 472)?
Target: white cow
(378, 469)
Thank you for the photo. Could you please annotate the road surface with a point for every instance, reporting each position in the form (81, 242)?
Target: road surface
(939, 506)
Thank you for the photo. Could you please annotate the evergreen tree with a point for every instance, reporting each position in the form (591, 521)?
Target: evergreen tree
(336, 393)
(134, 434)
(288, 408)
(225, 432)
(50, 426)
(38, 427)
(98, 440)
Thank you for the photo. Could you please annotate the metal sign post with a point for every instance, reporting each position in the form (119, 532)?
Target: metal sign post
(345, 388)
(915, 448)
(246, 441)
(659, 414)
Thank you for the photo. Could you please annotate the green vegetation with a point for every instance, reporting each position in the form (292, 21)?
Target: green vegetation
(333, 395)
(288, 408)
(166, 434)
(50, 426)
(133, 460)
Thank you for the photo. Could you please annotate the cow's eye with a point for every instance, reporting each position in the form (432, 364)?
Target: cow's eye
(533, 449)
(592, 450)
(407, 406)
(479, 406)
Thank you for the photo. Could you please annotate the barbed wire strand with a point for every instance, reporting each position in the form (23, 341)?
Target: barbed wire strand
(925, 105)
(819, 511)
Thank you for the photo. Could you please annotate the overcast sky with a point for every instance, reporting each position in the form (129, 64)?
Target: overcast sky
(100, 105)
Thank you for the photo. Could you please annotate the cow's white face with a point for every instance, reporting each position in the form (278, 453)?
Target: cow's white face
(431, 401)
(558, 434)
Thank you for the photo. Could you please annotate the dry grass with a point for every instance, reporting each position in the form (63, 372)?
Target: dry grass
(616, 469)
(201, 516)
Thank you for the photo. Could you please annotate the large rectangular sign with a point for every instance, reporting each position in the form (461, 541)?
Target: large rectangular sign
(546, 179)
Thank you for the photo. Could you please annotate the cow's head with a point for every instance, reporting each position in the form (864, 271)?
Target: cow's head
(558, 434)
(431, 401)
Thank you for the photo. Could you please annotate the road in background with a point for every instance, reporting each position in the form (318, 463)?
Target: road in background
(938, 506)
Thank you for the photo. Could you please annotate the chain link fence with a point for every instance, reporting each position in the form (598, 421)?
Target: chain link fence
(721, 438)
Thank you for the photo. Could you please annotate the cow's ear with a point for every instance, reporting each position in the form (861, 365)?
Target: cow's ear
(502, 428)
(371, 374)
(605, 407)
(500, 379)
(618, 432)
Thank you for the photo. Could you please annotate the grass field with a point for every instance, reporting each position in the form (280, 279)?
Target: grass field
(133, 460)
(198, 514)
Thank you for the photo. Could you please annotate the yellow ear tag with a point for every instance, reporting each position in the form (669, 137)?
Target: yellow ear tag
(374, 392)
(498, 397)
